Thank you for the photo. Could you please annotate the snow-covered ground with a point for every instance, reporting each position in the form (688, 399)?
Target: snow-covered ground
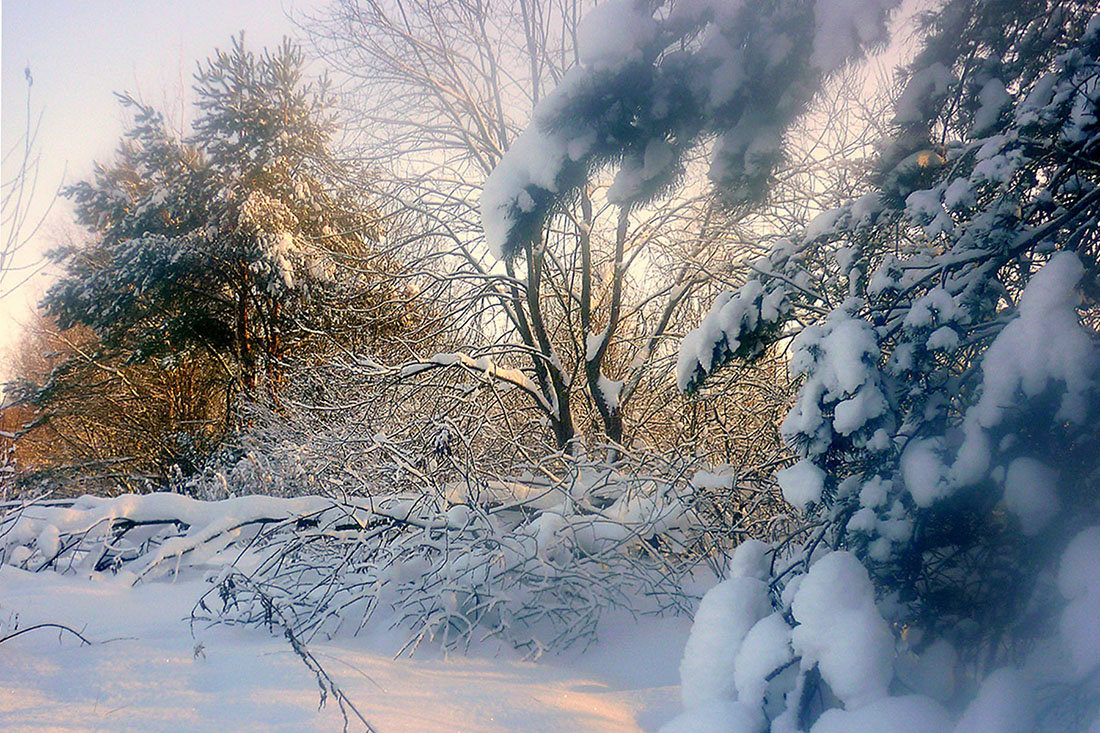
(143, 672)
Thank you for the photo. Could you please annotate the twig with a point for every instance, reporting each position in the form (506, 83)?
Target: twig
(63, 627)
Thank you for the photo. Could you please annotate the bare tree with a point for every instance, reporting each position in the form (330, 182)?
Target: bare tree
(586, 321)
(434, 95)
(20, 218)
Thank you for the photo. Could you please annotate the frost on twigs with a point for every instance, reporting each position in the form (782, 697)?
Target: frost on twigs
(534, 561)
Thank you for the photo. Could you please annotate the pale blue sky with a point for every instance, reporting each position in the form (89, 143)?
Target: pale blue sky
(80, 52)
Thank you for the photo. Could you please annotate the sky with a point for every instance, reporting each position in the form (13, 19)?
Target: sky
(82, 51)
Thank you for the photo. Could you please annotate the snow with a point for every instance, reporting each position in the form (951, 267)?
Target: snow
(614, 33)
(924, 86)
(610, 390)
(923, 471)
(1044, 347)
(845, 25)
(721, 330)
(993, 100)
(1005, 704)
(840, 629)
(722, 477)
(931, 673)
(146, 671)
(802, 483)
(766, 648)
(533, 162)
(1031, 493)
(909, 714)
(838, 357)
(1079, 583)
(945, 338)
(634, 173)
(717, 715)
(751, 559)
(725, 615)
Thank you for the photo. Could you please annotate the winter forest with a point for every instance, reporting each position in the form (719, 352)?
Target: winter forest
(553, 365)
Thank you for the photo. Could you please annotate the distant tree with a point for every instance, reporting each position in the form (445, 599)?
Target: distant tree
(213, 262)
(82, 421)
(227, 241)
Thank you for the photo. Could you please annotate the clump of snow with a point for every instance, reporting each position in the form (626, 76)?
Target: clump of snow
(922, 89)
(610, 390)
(614, 33)
(945, 338)
(802, 483)
(1005, 703)
(909, 714)
(1079, 582)
(750, 560)
(923, 471)
(993, 100)
(766, 648)
(635, 172)
(843, 26)
(725, 615)
(838, 358)
(718, 478)
(840, 629)
(732, 314)
(1031, 493)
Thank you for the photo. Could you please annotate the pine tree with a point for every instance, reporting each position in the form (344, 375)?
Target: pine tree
(214, 261)
(221, 242)
(944, 327)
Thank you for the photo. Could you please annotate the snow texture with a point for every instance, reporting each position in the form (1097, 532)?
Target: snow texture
(802, 483)
(1005, 703)
(725, 615)
(843, 26)
(614, 33)
(909, 714)
(155, 673)
(1079, 583)
(1031, 493)
(1044, 347)
(840, 629)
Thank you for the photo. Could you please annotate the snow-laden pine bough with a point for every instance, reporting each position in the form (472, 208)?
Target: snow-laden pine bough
(944, 327)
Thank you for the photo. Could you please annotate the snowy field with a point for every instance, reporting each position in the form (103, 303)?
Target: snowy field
(143, 672)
